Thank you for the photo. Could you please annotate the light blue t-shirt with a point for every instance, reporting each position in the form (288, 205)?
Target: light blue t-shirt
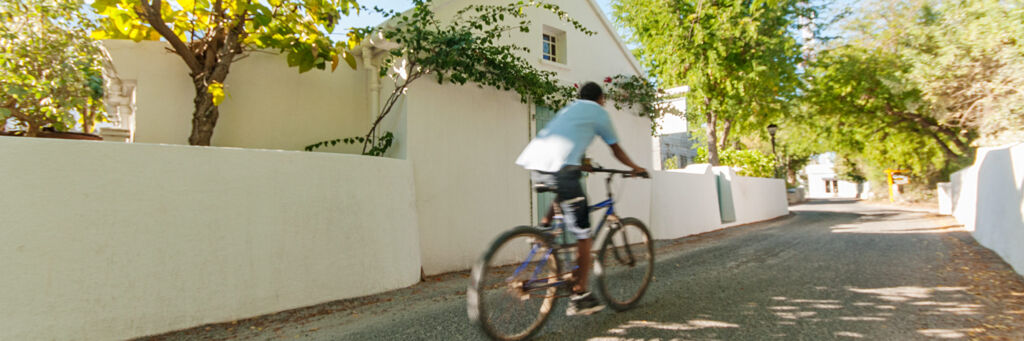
(564, 140)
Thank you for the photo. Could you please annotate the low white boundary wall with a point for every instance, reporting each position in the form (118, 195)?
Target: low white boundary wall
(685, 202)
(104, 241)
(756, 199)
(988, 198)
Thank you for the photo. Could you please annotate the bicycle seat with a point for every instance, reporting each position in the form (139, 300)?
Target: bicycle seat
(542, 188)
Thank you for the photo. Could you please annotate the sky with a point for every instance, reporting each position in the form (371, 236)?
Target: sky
(372, 19)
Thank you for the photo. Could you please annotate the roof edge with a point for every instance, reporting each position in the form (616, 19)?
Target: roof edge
(618, 40)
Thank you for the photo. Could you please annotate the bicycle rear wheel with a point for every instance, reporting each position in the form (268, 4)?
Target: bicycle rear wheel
(513, 287)
(625, 263)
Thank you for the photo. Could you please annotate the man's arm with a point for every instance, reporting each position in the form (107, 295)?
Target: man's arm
(622, 157)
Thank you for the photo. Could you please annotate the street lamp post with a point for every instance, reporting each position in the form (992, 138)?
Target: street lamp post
(772, 128)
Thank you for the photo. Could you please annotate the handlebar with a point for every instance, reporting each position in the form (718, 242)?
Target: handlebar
(624, 173)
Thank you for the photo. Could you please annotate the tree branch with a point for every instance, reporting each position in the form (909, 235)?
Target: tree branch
(151, 12)
(931, 126)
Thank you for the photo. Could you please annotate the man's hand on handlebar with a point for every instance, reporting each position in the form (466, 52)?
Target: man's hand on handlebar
(641, 172)
(587, 166)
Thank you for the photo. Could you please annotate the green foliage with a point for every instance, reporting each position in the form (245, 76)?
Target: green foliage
(378, 147)
(904, 91)
(670, 163)
(747, 162)
(50, 69)
(738, 58)
(216, 90)
(972, 75)
(634, 91)
(796, 143)
(211, 35)
(470, 48)
(300, 29)
(847, 169)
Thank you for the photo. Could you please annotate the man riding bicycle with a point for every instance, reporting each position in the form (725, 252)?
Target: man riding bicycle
(555, 158)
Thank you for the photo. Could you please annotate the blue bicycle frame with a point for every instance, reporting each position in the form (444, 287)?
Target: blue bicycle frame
(607, 203)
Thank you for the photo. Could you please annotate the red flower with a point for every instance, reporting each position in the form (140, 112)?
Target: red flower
(575, 85)
(607, 79)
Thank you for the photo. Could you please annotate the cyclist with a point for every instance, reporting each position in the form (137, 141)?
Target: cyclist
(555, 158)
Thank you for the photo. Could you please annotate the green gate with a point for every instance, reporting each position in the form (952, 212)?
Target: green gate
(725, 202)
(542, 117)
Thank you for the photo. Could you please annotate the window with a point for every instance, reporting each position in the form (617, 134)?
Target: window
(553, 45)
(550, 47)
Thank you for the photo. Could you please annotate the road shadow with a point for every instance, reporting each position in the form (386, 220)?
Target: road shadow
(829, 201)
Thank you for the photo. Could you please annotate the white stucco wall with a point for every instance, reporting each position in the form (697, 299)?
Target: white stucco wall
(107, 241)
(988, 198)
(684, 202)
(755, 199)
(632, 196)
(944, 194)
(468, 188)
(269, 104)
(759, 199)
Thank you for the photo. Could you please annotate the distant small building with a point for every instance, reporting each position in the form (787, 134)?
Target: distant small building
(822, 181)
(673, 138)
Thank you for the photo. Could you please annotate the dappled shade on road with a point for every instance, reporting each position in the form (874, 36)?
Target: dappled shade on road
(837, 270)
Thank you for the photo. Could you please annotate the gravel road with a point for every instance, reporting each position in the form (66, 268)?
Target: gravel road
(831, 270)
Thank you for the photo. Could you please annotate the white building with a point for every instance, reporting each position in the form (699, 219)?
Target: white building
(822, 181)
(463, 140)
(672, 139)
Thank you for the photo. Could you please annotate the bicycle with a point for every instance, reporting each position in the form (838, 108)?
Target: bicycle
(517, 282)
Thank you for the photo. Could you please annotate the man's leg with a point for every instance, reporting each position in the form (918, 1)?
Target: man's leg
(577, 220)
(546, 221)
(584, 261)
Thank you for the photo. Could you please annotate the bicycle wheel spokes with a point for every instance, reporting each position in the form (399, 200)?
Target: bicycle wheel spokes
(625, 264)
(511, 287)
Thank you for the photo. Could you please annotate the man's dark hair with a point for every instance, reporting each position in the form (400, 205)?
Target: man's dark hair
(591, 92)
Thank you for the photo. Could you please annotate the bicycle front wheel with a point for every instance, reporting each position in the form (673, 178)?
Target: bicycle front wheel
(513, 287)
(625, 263)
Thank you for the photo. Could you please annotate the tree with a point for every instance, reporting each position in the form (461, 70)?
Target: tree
(863, 106)
(848, 170)
(50, 70)
(747, 162)
(739, 58)
(974, 75)
(904, 91)
(211, 35)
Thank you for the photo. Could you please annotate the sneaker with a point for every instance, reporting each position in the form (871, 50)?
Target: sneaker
(583, 304)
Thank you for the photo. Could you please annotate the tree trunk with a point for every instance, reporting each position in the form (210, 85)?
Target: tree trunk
(712, 124)
(32, 129)
(725, 135)
(204, 118)
(87, 119)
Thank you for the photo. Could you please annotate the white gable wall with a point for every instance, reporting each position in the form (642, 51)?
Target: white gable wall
(464, 140)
